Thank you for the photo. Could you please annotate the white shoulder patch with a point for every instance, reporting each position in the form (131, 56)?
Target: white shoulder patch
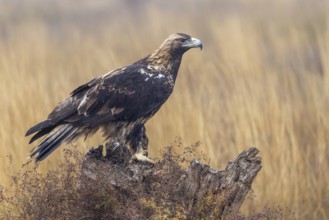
(159, 76)
(153, 67)
(142, 71)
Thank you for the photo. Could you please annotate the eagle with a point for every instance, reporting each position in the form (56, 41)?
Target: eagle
(117, 103)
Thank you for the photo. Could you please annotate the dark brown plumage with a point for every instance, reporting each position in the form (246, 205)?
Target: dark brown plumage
(119, 102)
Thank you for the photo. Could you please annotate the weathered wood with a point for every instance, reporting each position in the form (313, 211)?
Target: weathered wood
(166, 189)
(229, 187)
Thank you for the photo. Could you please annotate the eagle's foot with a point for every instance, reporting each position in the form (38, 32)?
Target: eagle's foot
(140, 156)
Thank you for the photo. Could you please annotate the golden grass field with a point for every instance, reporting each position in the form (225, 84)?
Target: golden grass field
(261, 80)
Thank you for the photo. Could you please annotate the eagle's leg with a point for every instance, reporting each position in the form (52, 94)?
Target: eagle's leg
(138, 144)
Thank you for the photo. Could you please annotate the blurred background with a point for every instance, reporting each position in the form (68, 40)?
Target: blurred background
(261, 80)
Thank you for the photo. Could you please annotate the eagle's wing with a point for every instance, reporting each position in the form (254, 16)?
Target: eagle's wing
(132, 94)
(66, 108)
(124, 94)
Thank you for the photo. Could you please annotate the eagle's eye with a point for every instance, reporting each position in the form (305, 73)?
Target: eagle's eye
(181, 40)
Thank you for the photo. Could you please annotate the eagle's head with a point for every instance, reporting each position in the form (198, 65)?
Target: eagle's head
(179, 43)
(170, 52)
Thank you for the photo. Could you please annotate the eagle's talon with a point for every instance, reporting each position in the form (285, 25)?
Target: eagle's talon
(140, 157)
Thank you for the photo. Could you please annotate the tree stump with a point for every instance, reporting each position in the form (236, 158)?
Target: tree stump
(166, 190)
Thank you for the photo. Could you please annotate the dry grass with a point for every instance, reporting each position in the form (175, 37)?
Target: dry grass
(262, 80)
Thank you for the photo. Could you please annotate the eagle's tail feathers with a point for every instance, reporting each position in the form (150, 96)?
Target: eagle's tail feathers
(52, 141)
(41, 133)
(40, 126)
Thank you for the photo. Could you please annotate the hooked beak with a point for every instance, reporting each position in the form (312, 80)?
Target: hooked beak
(193, 43)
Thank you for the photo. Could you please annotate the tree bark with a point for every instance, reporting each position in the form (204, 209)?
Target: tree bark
(166, 189)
